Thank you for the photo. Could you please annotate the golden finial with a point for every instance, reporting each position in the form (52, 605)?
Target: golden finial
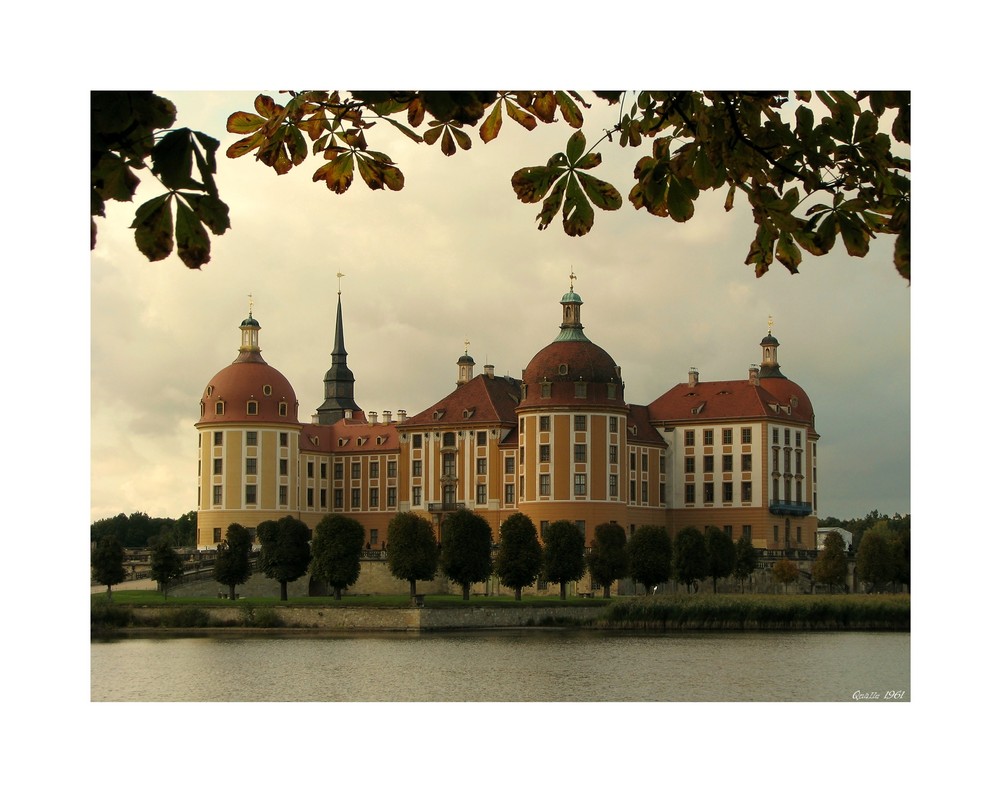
(250, 297)
(572, 277)
(339, 275)
(770, 324)
(466, 345)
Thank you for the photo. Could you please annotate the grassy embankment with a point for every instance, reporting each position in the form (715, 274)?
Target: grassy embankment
(722, 611)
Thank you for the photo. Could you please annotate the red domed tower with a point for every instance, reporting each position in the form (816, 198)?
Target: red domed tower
(247, 443)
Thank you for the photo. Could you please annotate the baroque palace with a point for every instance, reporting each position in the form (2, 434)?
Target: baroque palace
(560, 443)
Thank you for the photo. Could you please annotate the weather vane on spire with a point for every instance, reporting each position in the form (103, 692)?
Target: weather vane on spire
(250, 297)
(339, 275)
(572, 277)
(466, 345)
(770, 324)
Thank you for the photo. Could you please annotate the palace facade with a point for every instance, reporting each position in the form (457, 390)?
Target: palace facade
(561, 442)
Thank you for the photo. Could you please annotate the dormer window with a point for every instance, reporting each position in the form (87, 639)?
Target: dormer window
(251, 407)
(282, 409)
(546, 389)
(438, 414)
(580, 389)
(220, 407)
(468, 412)
(612, 391)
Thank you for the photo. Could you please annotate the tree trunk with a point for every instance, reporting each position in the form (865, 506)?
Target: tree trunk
(562, 591)
(109, 593)
(413, 588)
(232, 592)
(607, 591)
(517, 593)
(336, 594)
(284, 590)
(465, 591)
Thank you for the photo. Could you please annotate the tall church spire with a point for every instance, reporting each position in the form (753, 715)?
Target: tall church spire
(338, 384)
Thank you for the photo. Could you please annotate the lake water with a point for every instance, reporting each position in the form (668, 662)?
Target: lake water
(516, 665)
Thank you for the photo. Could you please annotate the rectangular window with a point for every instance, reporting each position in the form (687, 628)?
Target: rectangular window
(217, 466)
(448, 464)
(746, 435)
(774, 436)
(216, 495)
(481, 494)
(390, 469)
(663, 494)
(355, 470)
(251, 494)
(373, 469)
(217, 438)
(390, 497)
(508, 465)
(373, 498)
(613, 485)
(612, 391)
(746, 462)
(689, 464)
(322, 498)
(579, 453)
(728, 530)
(613, 424)
(708, 464)
(579, 484)
(544, 487)
(282, 466)
(322, 470)
(251, 438)
(727, 491)
(708, 437)
(645, 462)
(418, 440)
(418, 468)
(251, 466)
(798, 463)
(727, 462)
(217, 535)
(798, 439)
(544, 423)
(338, 498)
(747, 531)
(338, 471)
(631, 460)
(727, 436)
(613, 454)
(283, 439)
(480, 438)
(309, 497)
(579, 422)
(282, 409)
(416, 499)
(689, 438)
(580, 389)
(709, 492)
(373, 538)
(645, 491)
(631, 491)
(508, 493)
(309, 469)
(480, 466)
(689, 493)
(544, 453)
(788, 436)
(355, 498)
(546, 390)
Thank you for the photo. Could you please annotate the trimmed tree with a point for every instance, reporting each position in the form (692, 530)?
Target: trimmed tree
(746, 560)
(232, 558)
(784, 571)
(412, 549)
(830, 567)
(336, 552)
(519, 559)
(721, 555)
(690, 557)
(466, 544)
(165, 564)
(649, 553)
(562, 554)
(284, 550)
(608, 560)
(107, 562)
(875, 562)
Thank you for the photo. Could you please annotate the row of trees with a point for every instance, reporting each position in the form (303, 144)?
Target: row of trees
(140, 530)
(107, 561)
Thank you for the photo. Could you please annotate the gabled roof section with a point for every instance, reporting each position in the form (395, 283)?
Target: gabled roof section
(349, 436)
(483, 400)
(639, 428)
(731, 400)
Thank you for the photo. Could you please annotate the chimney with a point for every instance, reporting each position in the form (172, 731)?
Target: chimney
(373, 417)
(401, 415)
(754, 375)
(692, 377)
(387, 416)
(488, 370)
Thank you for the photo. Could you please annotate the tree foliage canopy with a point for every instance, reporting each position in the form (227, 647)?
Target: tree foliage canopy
(519, 559)
(412, 549)
(721, 554)
(107, 562)
(785, 571)
(746, 559)
(562, 553)
(284, 550)
(165, 564)
(814, 167)
(608, 559)
(336, 551)
(830, 567)
(466, 547)
(690, 556)
(649, 556)
(232, 558)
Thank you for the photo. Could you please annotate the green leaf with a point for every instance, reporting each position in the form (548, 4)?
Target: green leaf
(338, 174)
(193, 245)
(490, 128)
(602, 194)
(552, 203)
(525, 119)
(531, 184)
(578, 214)
(901, 253)
(866, 127)
(211, 211)
(575, 146)
(680, 199)
(854, 235)
(245, 146)
(570, 111)
(788, 253)
(172, 160)
(113, 179)
(242, 123)
(154, 228)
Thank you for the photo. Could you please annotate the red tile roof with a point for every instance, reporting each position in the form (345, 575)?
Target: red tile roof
(712, 401)
(483, 400)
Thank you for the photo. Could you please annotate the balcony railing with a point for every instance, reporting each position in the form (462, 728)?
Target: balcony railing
(790, 507)
(440, 507)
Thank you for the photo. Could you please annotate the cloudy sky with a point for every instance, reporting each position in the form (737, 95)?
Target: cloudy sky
(456, 256)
